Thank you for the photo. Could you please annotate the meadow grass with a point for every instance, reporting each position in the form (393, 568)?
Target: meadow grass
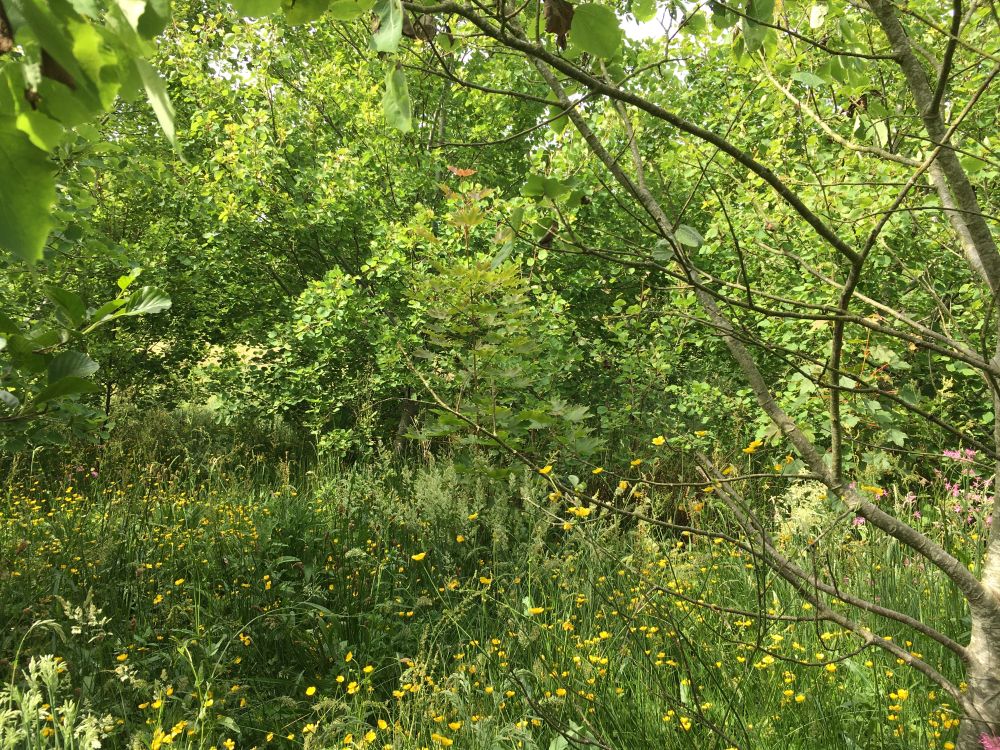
(393, 607)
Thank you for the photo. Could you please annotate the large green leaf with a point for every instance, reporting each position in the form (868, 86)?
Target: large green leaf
(71, 365)
(396, 101)
(304, 11)
(348, 10)
(147, 301)
(70, 306)
(156, 93)
(66, 387)
(255, 8)
(27, 192)
(390, 25)
(595, 30)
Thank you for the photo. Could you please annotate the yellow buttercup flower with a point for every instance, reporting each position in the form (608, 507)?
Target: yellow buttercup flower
(659, 440)
(419, 556)
(545, 470)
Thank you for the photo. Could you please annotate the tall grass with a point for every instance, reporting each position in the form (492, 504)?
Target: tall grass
(411, 607)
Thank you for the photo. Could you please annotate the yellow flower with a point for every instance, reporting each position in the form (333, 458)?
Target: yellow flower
(473, 516)
(370, 735)
(383, 724)
(753, 446)
(311, 690)
(536, 610)
(350, 654)
(598, 470)
(485, 581)
(122, 657)
(659, 440)
(179, 582)
(635, 461)
(368, 669)
(545, 470)
(419, 556)
(459, 538)
(454, 725)
(700, 433)
(442, 740)
(799, 698)
(831, 668)
(229, 743)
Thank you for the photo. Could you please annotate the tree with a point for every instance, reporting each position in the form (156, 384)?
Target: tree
(903, 105)
(830, 226)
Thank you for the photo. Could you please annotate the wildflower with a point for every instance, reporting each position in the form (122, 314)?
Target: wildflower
(122, 657)
(179, 582)
(799, 698)
(442, 740)
(753, 446)
(659, 440)
(350, 654)
(418, 557)
(831, 667)
(370, 735)
(635, 461)
(598, 470)
(536, 610)
(545, 470)
(311, 691)
(459, 538)
(307, 729)
(989, 743)
(229, 743)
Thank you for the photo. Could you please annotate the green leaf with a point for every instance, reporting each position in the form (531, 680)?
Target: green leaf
(663, 251)
(71, 365)
(595, 30)
(809, 79)
(147, 301)
(256, 8)
(27, 192)
(156, 93)
(537, 186)
(70, 305)
(66, 387)
(644, 10)
(44, 132)
(348, 10)
(304, 11)
(689, 236)
(390, 25)
(396, 101)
